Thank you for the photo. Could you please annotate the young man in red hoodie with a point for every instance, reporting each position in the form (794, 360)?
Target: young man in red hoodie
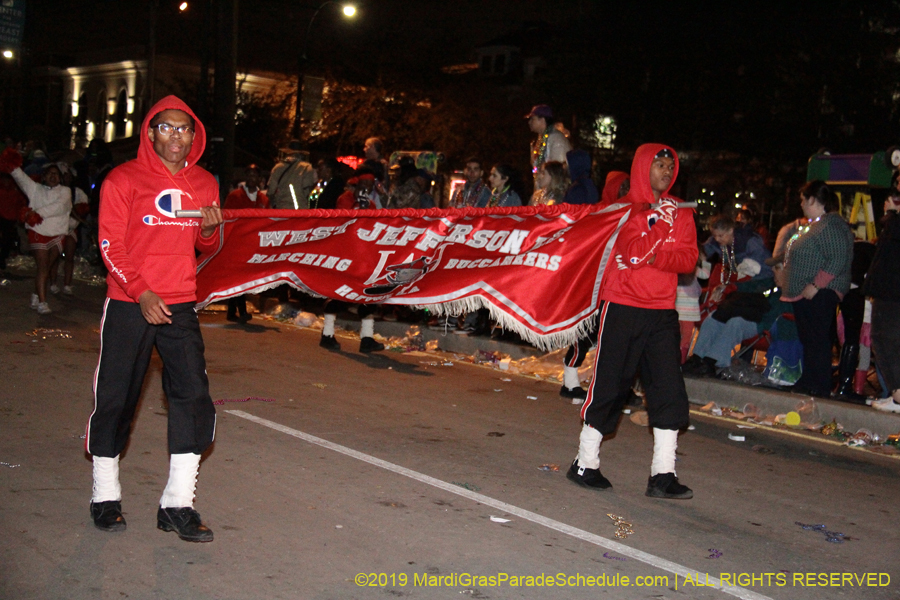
(151, 292)
(638, 326)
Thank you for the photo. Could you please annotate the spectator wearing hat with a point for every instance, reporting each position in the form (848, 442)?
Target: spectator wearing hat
(291, 180)
(550, 144)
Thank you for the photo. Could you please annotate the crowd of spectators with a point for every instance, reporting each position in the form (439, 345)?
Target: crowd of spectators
(833, 296)
(819, 282)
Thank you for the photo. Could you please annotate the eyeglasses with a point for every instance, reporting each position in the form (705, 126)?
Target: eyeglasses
(166, 130)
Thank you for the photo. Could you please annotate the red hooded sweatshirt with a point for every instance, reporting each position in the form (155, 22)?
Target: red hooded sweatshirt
(143, 245)
(614, 180)
(649, 253)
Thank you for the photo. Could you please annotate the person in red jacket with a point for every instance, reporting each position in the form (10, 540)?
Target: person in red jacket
(151, 292)
(616, 187)
(638, 325)
(247, 195)
(12, 200)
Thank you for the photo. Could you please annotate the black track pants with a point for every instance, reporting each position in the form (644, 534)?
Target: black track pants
(126, 344)
(630, 339)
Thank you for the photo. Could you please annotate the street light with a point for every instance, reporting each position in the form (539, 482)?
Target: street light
(8, 54)
(349, 11)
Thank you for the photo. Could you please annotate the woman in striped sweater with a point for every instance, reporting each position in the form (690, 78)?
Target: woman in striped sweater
(817, 275)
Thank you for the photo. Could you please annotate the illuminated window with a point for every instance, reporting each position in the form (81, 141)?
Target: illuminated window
(602, 132)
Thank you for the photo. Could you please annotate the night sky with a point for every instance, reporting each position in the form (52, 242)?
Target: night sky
(756, 78)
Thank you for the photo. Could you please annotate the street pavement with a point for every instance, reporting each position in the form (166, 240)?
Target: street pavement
(769, 401)
(342, 475)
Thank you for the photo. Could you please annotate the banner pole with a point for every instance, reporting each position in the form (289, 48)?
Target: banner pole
(196, 214)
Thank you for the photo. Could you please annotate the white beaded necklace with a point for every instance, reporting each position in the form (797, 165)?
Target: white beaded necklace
(729, 263)
(801, 231)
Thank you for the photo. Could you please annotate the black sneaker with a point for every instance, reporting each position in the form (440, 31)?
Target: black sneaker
(329, 343)
(368, 344)
(576, 395)
(108, 515)
(232, 318)
(665, 485)
(588, 478)
(185, 522)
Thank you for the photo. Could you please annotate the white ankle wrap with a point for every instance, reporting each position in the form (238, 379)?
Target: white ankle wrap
(367, 327)
(106, 479)
(570, 378)
(179, 492)
(589, 447)
(665, 442)
(328, 328)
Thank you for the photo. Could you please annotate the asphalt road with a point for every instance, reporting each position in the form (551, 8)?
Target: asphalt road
(396, 467)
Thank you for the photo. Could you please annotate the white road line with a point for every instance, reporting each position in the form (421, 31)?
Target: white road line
(654, 561)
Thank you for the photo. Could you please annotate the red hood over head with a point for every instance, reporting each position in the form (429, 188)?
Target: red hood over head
(147, 155)
(640, 173)
(614, 181)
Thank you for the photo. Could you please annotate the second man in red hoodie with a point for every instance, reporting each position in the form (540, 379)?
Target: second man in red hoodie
(638, 326)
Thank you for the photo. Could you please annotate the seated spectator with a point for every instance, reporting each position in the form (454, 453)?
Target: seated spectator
(735, 300)
(475, 192)
(505, 187)
(551, 182)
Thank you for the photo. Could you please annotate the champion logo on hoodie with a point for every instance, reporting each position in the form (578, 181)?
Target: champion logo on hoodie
(169, 201)
(104, 247)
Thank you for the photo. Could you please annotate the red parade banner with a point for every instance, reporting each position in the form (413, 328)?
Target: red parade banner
(537, 269)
